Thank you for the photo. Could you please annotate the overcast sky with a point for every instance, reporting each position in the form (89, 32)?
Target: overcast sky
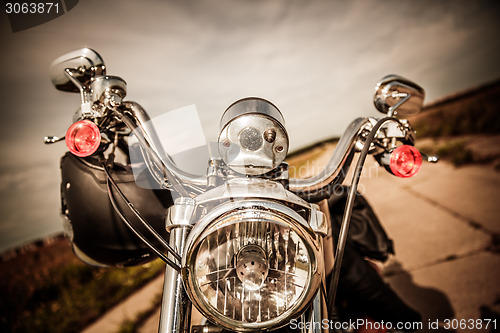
(318, 61)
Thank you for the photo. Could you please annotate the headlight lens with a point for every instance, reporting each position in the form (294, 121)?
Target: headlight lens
(252, 268)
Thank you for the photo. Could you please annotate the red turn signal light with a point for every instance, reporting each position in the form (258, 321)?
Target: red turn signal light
(83, 138)
(405, 161)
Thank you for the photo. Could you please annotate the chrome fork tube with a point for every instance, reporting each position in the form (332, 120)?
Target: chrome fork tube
(328, 252)
(175, 316)
(315, 319)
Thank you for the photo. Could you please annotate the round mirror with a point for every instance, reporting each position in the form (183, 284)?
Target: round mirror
(395, 95)
(83, 65)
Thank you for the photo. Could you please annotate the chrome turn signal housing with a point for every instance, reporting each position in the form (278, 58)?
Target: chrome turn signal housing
(251, 265)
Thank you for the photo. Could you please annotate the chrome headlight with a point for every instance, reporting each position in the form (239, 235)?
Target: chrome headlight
(251, 265)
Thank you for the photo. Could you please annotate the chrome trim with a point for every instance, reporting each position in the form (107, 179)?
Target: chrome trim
(352, 140)
(52, 139)
(86, 108)
(175, 315)
(395, 95)
(318, 220)
(109, 90)
(253, 138)
(328, 251)
(180, 213)
(313, 318)
(333, 168)
(74, 71)
(230, 205)
(215, 173)
(258, 188)
(313, 241)
(137, 119)
(84, 64)
(254, 105)
(243, 147)
(430, 158)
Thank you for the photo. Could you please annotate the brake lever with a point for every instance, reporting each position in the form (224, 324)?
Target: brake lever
(52, 139)
(430, 158)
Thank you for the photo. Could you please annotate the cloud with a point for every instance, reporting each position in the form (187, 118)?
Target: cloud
(29, 202)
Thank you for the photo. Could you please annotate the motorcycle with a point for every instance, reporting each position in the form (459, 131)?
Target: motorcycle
(251, 248)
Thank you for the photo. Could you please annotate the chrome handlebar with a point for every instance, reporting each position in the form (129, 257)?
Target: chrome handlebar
(334, 167)
(83, 70)
(137, 119)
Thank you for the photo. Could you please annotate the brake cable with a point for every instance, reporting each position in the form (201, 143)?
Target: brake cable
(110, 182)
(344, 228)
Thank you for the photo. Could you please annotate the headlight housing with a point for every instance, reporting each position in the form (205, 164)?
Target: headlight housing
(253, 139)
(251, 265)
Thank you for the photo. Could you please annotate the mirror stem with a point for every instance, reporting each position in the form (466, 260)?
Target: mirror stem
(392, 109)
(86, 110)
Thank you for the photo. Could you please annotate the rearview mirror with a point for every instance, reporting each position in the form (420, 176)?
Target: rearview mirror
(80, 65)
(395, 95)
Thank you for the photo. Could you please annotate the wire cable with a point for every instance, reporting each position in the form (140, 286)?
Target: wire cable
(339, 252)
(111, 183)
(137, 233)
(139, 216)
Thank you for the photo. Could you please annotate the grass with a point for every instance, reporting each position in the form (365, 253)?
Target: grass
(454, 151)
(457, 152)
(471, 118)
(471, 113)
(52, 291)
(303, 160)
(476, 113)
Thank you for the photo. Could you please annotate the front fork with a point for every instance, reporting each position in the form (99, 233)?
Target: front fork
(320, 304)
(175, 315)
(316, 318)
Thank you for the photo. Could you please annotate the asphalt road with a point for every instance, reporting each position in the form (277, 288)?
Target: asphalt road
(445, 223)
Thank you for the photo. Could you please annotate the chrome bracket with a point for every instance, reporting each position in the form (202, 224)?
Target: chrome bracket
(318, 220)
(180, 213)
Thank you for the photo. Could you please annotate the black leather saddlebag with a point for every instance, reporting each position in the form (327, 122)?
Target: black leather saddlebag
(98, 235)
